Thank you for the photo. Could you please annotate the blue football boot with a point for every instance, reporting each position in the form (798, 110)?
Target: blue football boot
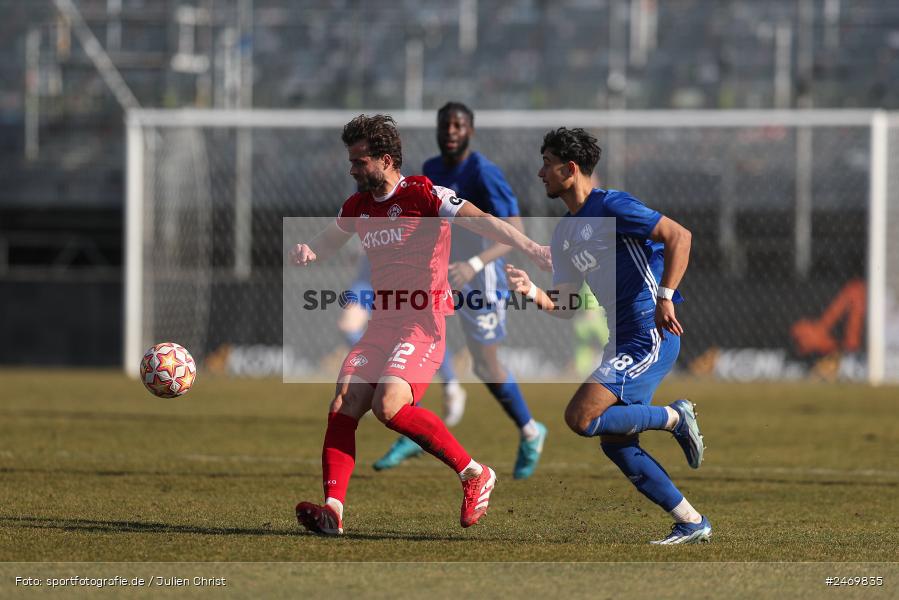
(529, 454)
(688, 533)
(401, 449)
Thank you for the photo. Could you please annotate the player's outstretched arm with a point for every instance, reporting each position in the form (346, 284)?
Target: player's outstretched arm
(556, 303)
(462, 272)
(488, 226)
(324, 244)
(500, 249)
(678, 241)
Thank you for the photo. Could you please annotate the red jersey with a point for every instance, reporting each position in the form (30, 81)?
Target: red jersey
(406, 236)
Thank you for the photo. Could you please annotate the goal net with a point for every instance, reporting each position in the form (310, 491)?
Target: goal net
(794, 271)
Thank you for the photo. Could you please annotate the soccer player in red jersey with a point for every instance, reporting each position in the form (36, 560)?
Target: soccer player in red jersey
(403, 223)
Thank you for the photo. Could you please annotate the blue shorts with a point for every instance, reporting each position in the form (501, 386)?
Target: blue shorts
(485, 325)
(634, 368)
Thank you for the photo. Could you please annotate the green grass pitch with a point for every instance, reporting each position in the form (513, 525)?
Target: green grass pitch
(93, 468)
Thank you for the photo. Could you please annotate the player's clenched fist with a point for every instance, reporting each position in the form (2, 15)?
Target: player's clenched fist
(518, 279)
(302, 255)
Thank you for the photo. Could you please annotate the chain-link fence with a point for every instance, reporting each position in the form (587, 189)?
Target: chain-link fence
(777, 204)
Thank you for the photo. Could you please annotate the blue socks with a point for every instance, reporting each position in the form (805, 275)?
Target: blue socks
(627, 420)
(512, 401)
(645, 473)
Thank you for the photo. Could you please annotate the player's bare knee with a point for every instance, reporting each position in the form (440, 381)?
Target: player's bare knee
(489, 373)
(342, 399)
(480, 371)
(384, 412)
(349, 405)
(377, 409)
(341, 390)
(571, 420)
(577, 420)
(391, 395)
(385, 406)
(351, 400)
(336, 403)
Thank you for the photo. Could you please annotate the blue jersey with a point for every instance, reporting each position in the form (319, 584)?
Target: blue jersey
(612, 226)
(480, 182)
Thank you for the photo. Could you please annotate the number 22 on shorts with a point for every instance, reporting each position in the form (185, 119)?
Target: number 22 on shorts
(400, 351)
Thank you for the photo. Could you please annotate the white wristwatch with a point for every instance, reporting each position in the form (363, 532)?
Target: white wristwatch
(665, 293)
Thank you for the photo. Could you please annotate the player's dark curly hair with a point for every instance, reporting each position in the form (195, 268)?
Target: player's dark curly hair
(575, 145)
(381, 134)
(453, 107)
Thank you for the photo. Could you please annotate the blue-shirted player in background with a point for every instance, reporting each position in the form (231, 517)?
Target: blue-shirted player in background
(476, 269)
(650, 254)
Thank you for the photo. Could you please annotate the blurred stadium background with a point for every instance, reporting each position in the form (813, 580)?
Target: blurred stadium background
(779, 203)
(156, 145)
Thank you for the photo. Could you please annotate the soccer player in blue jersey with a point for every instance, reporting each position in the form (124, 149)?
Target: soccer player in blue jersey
(611, 232)
(476, 269)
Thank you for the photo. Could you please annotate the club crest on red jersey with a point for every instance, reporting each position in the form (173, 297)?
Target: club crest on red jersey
(394, 211)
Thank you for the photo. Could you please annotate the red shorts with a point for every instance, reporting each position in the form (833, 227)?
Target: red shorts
(411, 350)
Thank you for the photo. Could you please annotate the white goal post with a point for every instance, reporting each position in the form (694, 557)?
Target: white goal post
(788, 209)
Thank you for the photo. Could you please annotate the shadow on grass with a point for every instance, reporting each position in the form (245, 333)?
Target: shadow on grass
(381, 536)
(103, 526)
(139, 473)
(136, 527)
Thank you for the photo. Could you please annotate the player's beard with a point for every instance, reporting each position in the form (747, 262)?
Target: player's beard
(461, 149)
(371, 182)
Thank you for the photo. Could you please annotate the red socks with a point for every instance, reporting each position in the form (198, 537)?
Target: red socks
(429, 432)
(418, 424)
(338, 455)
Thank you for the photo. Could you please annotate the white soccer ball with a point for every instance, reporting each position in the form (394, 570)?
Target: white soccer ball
(168, 370)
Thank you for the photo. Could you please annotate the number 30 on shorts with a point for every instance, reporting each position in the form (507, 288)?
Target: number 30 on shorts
(622, 361)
